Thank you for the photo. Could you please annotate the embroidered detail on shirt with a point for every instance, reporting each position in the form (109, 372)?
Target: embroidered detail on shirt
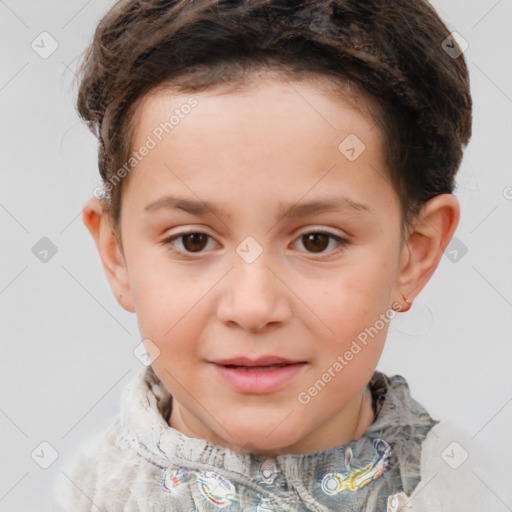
(268, 470)
(172, 479)
(216, 489)
(334, 483)
(348, 457)
(263, 506)
(398, 503)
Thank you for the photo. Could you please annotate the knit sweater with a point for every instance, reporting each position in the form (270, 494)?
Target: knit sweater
(403, 462)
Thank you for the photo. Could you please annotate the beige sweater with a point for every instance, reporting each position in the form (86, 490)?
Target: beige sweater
(406, 461)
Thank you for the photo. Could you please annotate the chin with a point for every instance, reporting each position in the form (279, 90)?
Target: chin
(264, 448)
(262, 440)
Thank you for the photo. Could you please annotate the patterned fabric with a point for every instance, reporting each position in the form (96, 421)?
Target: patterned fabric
(150, 466)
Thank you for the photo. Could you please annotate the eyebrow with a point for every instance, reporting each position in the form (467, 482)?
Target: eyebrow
(294, 210)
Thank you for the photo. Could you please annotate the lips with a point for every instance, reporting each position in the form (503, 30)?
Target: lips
(260, 362)
(255, 368)
(257, 376)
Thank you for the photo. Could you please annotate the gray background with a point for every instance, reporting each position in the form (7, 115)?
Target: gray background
(67, 345)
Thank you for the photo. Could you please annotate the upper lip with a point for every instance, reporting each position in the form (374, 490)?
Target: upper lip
(260, 361)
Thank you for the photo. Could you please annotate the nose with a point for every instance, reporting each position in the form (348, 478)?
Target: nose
(254, 297)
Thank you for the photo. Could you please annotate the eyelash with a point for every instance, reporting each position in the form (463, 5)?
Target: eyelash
(168, 242)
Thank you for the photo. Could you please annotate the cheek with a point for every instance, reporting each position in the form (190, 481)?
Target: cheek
(356, 299)
(167, 307)
(372, 277)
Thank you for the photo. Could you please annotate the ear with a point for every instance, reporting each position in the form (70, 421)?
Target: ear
(425, 244)
(111, 254)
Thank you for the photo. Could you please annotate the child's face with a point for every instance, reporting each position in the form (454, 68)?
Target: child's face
(251, 285)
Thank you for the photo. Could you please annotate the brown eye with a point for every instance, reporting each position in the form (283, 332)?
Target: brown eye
(190, 242)
(316, 242)
(194, 242)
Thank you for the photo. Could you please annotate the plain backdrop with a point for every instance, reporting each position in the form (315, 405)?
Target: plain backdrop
(67, 346)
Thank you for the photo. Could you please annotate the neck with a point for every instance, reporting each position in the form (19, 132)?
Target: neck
(350, 424)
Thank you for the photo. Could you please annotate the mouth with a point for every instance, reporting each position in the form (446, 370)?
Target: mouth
(262, 362)
(257, 368)
(258, 376)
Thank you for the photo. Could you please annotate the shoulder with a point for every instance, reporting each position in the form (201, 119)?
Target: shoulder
(450, 462)
(442, 465)
(107, 456)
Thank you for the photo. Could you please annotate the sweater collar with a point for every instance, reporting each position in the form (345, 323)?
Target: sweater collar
(401, 422)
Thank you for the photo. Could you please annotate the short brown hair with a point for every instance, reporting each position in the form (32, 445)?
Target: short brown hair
(390, 53)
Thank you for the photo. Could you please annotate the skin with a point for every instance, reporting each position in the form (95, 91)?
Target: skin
(246, 152)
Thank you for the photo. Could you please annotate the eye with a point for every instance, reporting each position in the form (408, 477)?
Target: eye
(192, 242)
(195, 242)
(318, 241)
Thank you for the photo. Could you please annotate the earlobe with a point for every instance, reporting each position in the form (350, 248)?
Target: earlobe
(422, 252)
(97, 222)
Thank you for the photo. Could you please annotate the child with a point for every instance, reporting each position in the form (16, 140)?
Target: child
(262, 129)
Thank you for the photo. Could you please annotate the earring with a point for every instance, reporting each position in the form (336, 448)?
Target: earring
(406, 300)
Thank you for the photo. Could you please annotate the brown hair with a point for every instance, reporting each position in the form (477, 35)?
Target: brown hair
(390, 53)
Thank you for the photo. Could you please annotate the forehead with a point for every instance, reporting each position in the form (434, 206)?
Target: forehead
(275, 134)
(310, 93)
(261, 77)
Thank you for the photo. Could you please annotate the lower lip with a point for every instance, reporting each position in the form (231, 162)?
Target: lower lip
(259, 381)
